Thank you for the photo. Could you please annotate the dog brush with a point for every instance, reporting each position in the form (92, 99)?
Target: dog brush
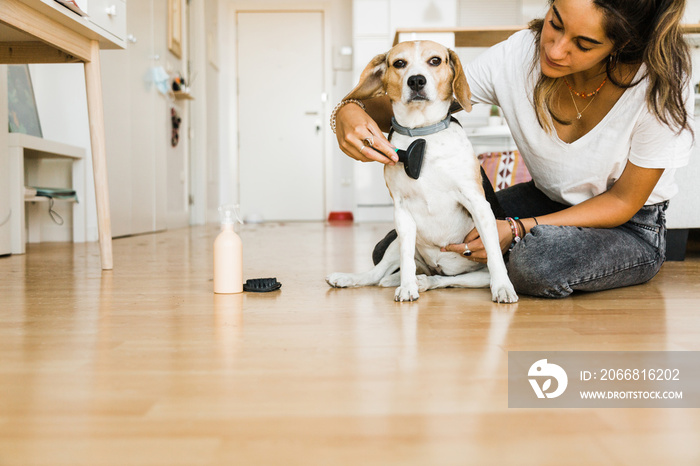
(261, 285)
(412, 158)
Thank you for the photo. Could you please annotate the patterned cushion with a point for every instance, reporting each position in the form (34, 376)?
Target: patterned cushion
(504, 169)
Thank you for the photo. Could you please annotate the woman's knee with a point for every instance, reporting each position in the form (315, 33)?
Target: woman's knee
(535, 270)
(553, 262)
(537, 282)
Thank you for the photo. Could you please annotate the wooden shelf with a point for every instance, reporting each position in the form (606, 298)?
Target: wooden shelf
(488, 36)
(44, 148)
(179, 95)
(45, 199)
(24, 150)
(467, 37)
(691, 28)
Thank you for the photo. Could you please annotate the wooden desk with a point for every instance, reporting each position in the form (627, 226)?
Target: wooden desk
(43, 31)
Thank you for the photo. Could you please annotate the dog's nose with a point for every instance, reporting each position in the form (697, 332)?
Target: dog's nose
(416, 82)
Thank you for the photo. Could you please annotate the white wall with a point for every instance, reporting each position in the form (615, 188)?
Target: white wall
(533, 9)
(61, 100)
(692, 16)
(475, 13)
(5, 210)
(212, 48)
(692, 11)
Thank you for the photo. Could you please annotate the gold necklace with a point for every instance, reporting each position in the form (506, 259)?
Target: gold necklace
(584, 95)
(579, 113)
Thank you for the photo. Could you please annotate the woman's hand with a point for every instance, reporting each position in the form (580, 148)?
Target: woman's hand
(355, 129)
(473, 242)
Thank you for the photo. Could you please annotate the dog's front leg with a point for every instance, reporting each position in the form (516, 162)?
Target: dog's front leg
(406, 229)
(502, 290)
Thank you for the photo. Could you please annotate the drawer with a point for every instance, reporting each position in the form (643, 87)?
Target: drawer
(110, 15)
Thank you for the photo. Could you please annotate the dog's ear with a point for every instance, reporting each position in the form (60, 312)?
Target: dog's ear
(459, 83)
(370, 84)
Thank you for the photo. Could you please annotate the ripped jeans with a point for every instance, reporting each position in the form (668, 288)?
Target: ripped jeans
(554, 261)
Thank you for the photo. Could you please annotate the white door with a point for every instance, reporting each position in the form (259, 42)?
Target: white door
(280, 72)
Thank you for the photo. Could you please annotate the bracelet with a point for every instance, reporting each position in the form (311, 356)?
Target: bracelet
(514, 231)
(520, 224)
(513, 228)
(536, 222)
(340, 105)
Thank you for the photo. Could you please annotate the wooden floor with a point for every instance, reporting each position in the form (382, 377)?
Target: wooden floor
(144, 365)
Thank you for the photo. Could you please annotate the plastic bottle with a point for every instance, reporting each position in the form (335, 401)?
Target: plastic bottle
(228, 254)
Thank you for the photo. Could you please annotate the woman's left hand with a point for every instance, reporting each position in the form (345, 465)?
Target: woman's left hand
(473, 242)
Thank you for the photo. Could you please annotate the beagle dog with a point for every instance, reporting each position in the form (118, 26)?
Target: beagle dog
(447, 199)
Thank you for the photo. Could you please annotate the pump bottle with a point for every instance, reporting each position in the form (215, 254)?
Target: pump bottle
(228, 254)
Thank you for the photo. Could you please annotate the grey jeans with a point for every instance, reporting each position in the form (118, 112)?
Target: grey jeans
(553, 261)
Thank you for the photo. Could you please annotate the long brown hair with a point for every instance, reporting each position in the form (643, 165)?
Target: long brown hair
(642, 31)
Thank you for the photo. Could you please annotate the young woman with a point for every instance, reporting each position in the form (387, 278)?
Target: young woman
(598, 100)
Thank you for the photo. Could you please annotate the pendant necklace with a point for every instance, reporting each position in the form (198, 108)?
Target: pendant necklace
(583, 95)
(579, 113)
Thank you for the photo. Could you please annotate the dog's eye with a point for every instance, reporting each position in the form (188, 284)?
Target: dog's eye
(399, 64)
(435, 61)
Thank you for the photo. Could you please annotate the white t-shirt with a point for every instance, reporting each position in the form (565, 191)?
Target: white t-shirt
(573, 173)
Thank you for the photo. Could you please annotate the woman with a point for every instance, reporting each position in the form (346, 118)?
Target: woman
(598, 100)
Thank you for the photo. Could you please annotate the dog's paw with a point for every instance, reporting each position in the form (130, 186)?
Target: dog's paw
(390, 281)
(423, 282)
(340, 280)
(504, 293)
(406, 293)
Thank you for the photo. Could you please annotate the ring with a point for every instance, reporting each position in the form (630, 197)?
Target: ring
(368, 142)
(467, 253)
(361, 148)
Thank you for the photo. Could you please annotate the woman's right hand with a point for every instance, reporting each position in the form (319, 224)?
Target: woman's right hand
(353, 127)
(473, 242)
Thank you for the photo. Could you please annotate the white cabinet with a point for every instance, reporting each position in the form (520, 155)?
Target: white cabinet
(684, 208)
(5, 212)
(25, 156)
(109, 15)
(137, 122)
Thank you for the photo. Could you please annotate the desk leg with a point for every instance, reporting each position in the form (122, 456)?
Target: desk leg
(17, 222)
(93, 82)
